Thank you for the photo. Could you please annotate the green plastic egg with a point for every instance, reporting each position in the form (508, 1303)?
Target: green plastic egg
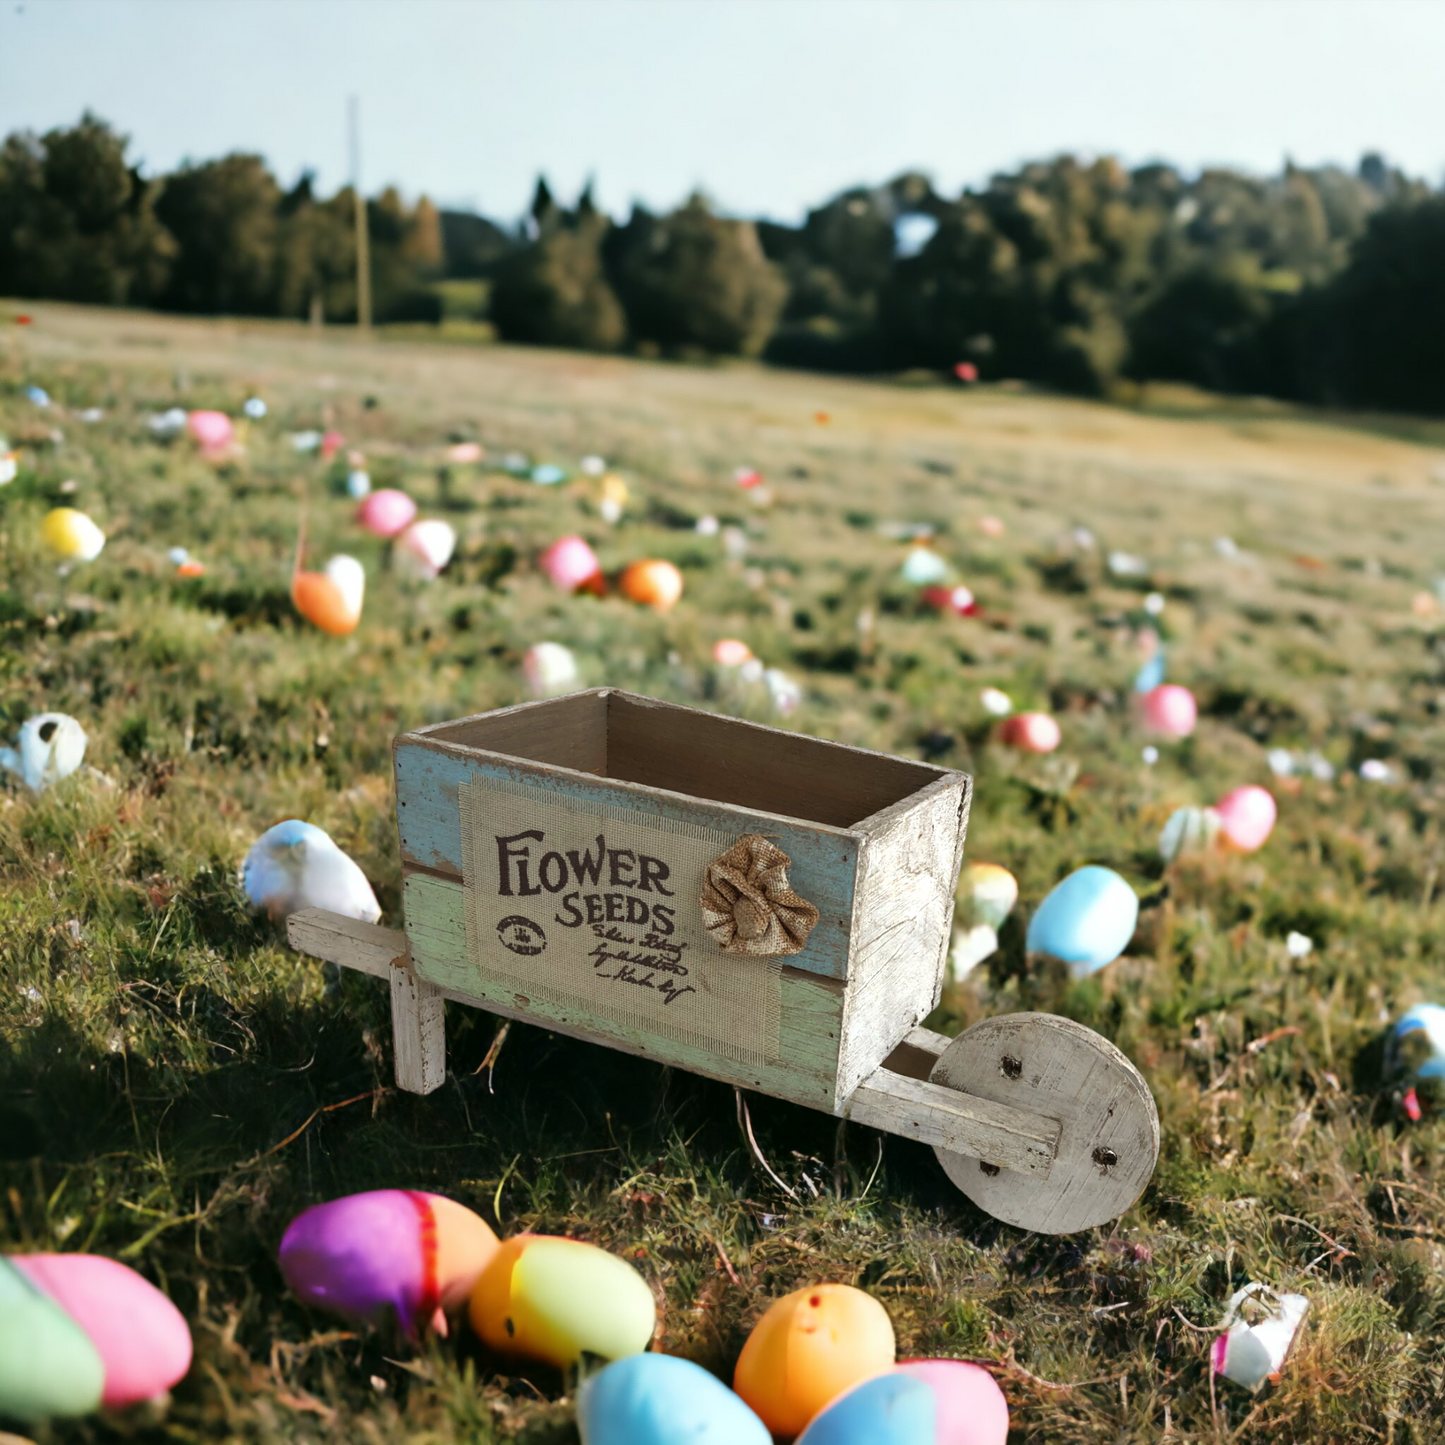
(557, 1299)
(48, 1365)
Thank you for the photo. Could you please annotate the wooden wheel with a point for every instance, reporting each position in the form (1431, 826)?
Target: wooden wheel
(1051, 1066)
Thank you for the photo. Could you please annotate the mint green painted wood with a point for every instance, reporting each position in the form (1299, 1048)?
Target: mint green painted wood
(823, 870)
(811, 1009)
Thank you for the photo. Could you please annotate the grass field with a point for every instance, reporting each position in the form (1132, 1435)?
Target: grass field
(175, 1085)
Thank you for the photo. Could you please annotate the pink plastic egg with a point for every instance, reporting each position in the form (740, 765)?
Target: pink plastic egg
(731, 652)
(957, 600)
(386, 513)
(570, 563)
(1031, 732)
(211, 430)
(1246, 817)
(141, 1337)
(1169, 709)
(970, 1407)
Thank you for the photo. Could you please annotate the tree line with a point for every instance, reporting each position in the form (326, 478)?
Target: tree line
(1323, 285)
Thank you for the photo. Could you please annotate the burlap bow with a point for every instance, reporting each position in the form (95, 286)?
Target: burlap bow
(748, 905)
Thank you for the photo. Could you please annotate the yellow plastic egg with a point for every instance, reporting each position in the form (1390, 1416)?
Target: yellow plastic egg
(72, 534)
(809, 1348)
(555, 1300)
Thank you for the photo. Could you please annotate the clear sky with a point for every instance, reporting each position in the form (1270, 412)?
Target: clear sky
(768, 105)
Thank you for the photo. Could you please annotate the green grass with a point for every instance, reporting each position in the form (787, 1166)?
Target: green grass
(175, 1085)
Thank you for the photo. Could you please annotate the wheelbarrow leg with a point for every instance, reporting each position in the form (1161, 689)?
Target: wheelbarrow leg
(418, 1019)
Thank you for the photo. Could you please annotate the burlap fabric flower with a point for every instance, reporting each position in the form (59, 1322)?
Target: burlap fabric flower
(748, 905)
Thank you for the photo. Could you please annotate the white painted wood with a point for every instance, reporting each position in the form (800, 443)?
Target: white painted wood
(348, 942)
(418, 1031)
(902, 919)
(1051, 1066)
(956, 1123)
(418, 1015)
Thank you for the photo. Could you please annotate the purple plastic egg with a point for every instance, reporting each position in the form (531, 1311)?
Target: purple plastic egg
(399, 1251)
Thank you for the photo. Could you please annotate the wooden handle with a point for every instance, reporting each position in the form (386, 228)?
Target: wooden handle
(418, 1010)
(1007, 1138)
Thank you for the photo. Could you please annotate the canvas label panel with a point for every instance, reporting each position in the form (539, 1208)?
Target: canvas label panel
(596, 908)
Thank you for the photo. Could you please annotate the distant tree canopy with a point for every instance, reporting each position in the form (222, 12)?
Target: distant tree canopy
(1322, 285)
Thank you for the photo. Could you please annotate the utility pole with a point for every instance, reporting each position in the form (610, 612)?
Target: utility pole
(363, 243)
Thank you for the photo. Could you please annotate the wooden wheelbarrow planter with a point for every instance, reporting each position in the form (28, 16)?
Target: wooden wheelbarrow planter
(555, 857)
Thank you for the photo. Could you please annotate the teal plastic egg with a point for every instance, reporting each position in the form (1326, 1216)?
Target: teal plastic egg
(1087, 920)
(662, 1400)
(891, 1409)
(48, 1366)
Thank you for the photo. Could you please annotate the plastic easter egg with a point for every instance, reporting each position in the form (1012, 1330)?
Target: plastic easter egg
(389, 1251)
(730, 652)
(48, 1366)
(295, 865)
(956, 600)
(570, 563)
(1189, 830)
(548, 474)
(141, 1337)
(1151, 674)
(386, 513)
(1087, 920)
(550, 669)
(331, 443)
(988, 893)
(464, 453)
(809, 1348)
(72, 534)
(332, 599)
(970, 1409)
(1030, 732)
(996, 703)
(1415, 1058)
(9, 465)
(652, 584)
(51, 747)
(1169, 709)
(254, 408)
(1246, 817)
(663, 1400)
(922, 567)
(358, 483)
(211, 431)
(554, 1300)
(425, 548)
(894, 1409)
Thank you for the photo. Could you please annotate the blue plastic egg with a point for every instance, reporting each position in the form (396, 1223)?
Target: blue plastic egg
(1087, 920)
(1415, 1057)
(662, 1400)
(887, 1410)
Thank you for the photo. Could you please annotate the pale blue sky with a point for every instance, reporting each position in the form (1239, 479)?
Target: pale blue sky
(768, 105)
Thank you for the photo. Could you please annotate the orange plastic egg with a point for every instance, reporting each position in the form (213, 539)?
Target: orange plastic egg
(808, 1349)
(652, 583)
(331, 600)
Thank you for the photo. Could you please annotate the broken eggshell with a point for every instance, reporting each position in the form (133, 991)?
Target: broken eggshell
(51, 746)
(388, 1251)
(1248, 1354)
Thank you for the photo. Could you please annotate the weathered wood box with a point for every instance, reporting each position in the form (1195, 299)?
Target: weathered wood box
(750, 904)
(554, 858)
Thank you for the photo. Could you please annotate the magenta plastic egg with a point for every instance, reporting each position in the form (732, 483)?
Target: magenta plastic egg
(569, 562)
(386, 513)
(141, 1337)
(969, 1407)
(388, 1251)
(1169, 709)
(1246, 817)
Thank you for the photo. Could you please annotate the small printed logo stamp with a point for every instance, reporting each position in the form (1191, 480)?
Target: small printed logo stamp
(521, 935)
